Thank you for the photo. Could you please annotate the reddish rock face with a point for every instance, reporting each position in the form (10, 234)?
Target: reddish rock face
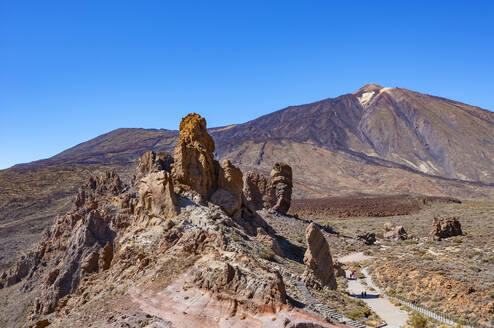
(318, 261)
(446, 227)
(195, 168)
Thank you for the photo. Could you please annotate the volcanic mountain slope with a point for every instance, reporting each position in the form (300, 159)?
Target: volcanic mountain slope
(392, 127)
(179, 247)
(375, 141)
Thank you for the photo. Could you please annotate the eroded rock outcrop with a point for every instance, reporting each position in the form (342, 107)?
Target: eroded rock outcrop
(280, 186)
(109, 183)
(274, 192)
(269, 241)
(318, 261)
(446, 227)
(86, 252)
(194, 168)
(157, 196)
(247, 291)
(152, 162)
(230, 184)
(122, 240)
(255, 191)
(392, 231)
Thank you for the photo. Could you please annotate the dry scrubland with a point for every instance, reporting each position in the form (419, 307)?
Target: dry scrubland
(454, 276)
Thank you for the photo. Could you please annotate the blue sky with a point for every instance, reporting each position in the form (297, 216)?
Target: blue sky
(72, 70)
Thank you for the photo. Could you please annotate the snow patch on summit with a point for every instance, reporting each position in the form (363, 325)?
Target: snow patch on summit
(365, 97)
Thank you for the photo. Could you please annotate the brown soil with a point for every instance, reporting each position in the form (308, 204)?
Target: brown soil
(364, 205)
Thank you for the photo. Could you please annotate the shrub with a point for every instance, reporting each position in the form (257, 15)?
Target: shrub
(267, 254)
(299, 239)
(236, 237)
(418, 321)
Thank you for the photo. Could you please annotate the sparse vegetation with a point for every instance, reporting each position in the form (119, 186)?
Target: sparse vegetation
(417, 320)
(268, 255)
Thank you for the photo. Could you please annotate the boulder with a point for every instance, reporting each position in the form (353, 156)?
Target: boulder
(369, 238)
(318, 261)
(269, 241)
(446, 227)
(338, 269)
(392, 231)
(194, 168)
(157, 195)
(152, 162)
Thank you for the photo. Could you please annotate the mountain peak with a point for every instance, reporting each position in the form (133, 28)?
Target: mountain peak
(368, 88)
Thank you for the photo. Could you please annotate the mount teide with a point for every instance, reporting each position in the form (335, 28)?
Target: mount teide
(375, 141)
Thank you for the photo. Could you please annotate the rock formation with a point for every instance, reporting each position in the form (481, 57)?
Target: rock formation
(274, 192)
(256, 191)
(446, 227)
(369, 238)
(78, 244)
(157, 196)
(195, 168)
(153, 241)
(230, 184)
(392, 231)
(269, 241)
(318, 261)
(152, 162)
(109, 183)
(232, 283)
(280, 186)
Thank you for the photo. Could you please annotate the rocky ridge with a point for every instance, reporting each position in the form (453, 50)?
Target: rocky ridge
(172, 230)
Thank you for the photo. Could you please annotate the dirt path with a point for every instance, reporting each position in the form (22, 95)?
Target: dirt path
(390, 313)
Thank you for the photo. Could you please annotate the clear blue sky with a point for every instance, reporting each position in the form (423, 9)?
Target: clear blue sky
(72, 70)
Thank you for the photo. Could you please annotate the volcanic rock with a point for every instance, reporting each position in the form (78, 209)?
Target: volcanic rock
(338, 269)
(107, 184)
(231, 283)
(195, 168)
(446, 227)
(152, 162)
(230, 183)
(280, 185)
(157, 195)
(274, 192)
(392, 231)
(269, 241)
(369, 238)
(318, 261)
(255, 190)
